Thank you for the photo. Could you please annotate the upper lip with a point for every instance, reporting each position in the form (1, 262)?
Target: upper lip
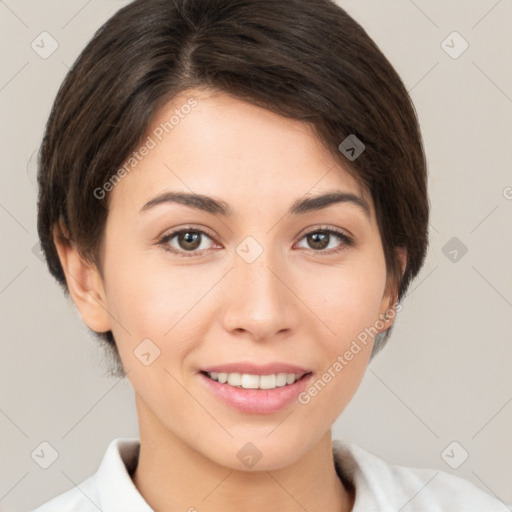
(256, 369)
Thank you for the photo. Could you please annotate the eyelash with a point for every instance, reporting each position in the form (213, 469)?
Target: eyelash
(164, 241)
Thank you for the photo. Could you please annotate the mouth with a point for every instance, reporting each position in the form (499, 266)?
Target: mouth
(254, 393)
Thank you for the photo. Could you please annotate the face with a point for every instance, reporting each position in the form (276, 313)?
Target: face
(190, 289)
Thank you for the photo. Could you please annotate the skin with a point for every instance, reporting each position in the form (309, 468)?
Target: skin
(295, 303)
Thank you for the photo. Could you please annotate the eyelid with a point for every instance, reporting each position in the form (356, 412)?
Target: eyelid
(325, 227)
(168, 233)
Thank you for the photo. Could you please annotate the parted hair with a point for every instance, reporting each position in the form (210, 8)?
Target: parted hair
(304, 59)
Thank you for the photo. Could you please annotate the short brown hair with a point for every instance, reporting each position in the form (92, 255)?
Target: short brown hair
(303, 59)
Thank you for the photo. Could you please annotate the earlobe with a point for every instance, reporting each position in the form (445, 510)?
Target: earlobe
(84, 282)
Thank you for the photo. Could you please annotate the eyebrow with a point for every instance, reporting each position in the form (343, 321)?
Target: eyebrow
(219, 207)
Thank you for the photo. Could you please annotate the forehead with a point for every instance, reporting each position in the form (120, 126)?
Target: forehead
(208, 142)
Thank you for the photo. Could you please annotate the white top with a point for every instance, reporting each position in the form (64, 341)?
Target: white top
(380, 486)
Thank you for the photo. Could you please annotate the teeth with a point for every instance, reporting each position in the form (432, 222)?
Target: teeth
(268, 381)
(234, 379)
(281, 379)
(249, 381)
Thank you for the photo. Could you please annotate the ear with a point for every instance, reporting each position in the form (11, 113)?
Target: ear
(84, 282)
(389, 304)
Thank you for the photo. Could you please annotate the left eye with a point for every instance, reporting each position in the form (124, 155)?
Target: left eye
(321, 238)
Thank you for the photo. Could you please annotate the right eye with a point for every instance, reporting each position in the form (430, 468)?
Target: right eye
(188, 242)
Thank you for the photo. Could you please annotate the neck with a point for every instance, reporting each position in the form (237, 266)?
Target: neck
(171, 475)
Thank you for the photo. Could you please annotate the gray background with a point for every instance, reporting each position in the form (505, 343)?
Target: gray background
(444, 376)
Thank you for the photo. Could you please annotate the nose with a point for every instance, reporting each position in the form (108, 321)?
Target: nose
(259, 299)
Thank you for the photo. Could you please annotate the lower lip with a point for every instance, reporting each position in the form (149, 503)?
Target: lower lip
(257, 401)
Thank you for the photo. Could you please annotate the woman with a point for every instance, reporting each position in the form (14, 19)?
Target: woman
(234, 195)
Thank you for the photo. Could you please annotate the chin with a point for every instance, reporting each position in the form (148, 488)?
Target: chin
(259, 452)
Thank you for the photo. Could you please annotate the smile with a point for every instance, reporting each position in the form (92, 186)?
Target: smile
(256, 394)
(251, 381)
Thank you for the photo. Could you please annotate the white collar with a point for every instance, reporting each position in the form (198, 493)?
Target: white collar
(379, 485)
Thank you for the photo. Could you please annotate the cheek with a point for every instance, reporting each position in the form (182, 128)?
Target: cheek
(153, 300)
(140, 294)
(346, 302)
(346, 299)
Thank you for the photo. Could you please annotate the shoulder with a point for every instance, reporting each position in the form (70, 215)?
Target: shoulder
(384, 486)
(110, 488)
(81, 498)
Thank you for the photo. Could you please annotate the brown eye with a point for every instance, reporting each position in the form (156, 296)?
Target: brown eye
(321, 239)
(186, 242)
(318, 240)
(189, 240)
